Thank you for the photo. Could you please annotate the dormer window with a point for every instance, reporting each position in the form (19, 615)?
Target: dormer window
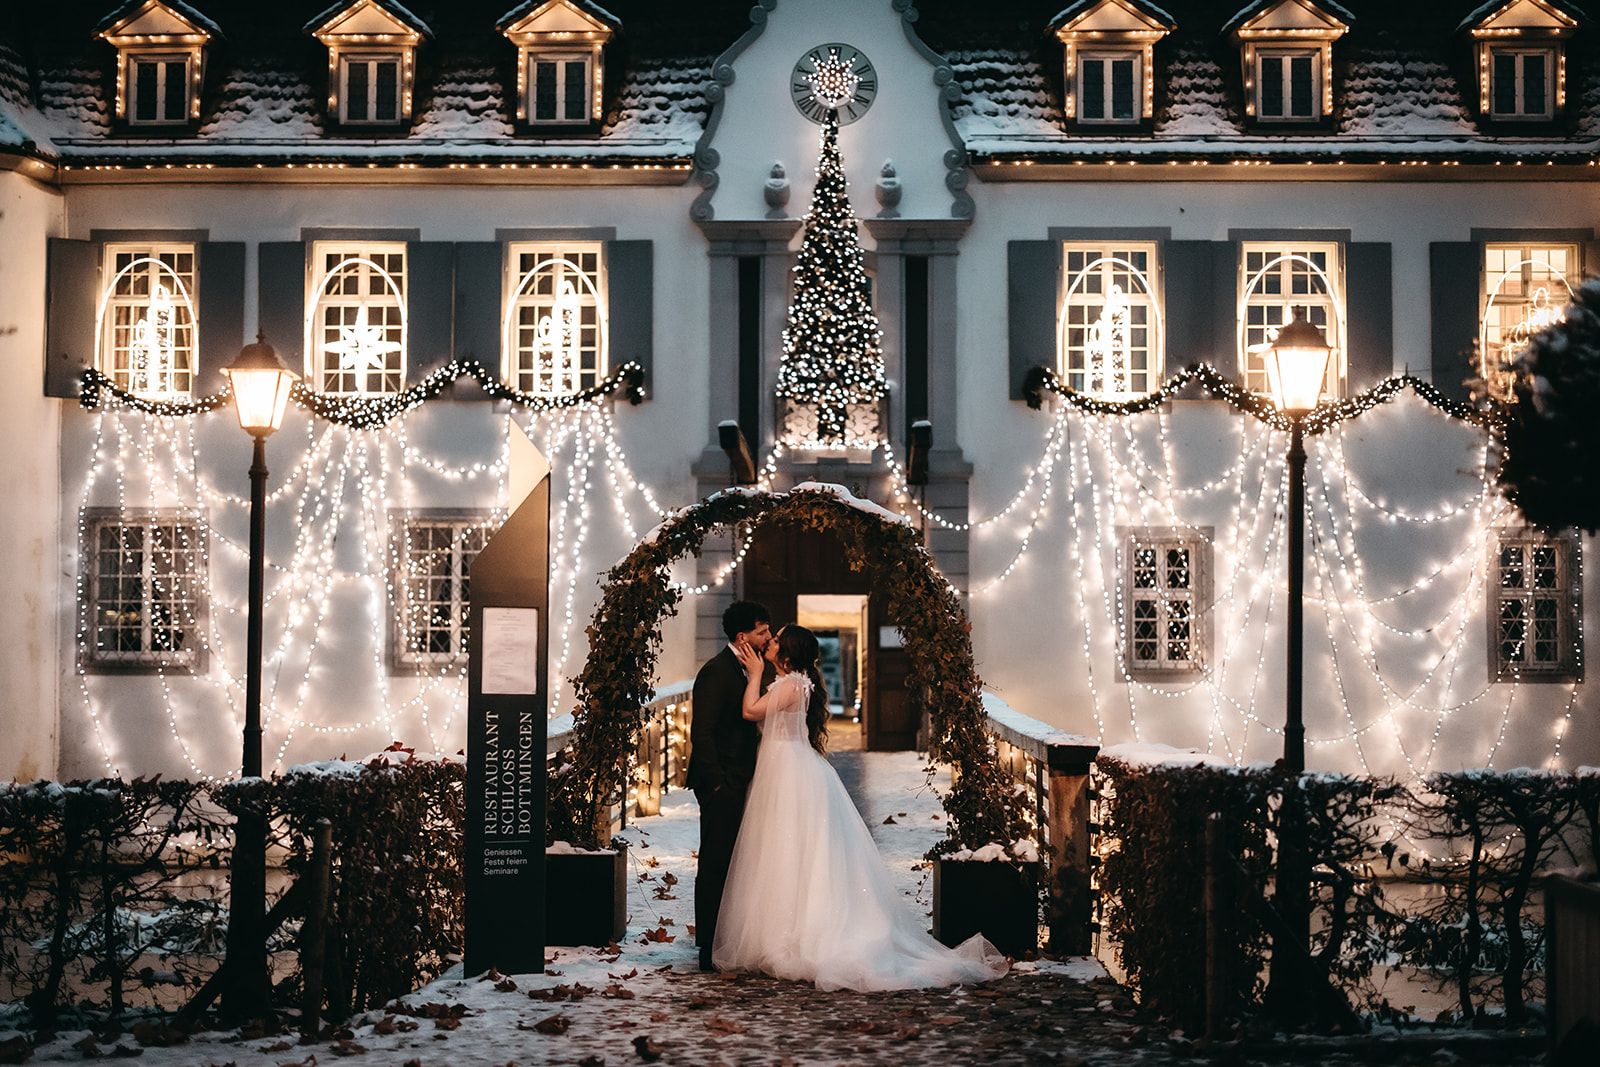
(1107, 56)
(160, 61)
(560, 61)
(372, 58)
(1286, 55)
(1520, 49)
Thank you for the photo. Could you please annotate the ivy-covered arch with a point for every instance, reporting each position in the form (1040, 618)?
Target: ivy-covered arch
(625, 642)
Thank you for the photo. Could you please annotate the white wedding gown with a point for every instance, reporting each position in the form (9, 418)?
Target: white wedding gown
(807, 896)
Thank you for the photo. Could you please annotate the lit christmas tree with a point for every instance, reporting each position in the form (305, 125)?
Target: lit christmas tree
(832, 367)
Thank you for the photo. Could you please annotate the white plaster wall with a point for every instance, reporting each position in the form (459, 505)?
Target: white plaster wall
(760, 123)
(29, 480)
(1029, 632)
(342, 700)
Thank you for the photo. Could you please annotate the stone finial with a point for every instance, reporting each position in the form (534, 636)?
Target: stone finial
(776, 191)
(888, 190)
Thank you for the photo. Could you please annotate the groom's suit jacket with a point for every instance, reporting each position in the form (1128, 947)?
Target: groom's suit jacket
(722, 742)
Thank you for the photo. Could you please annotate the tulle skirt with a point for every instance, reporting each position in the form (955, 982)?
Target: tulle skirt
(808, 897)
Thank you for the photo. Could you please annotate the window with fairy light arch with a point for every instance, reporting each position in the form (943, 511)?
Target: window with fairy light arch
(1525, 289)
(356, 343)
(146, 341)
(1111, 338)
(1276, 280)
(555, 333)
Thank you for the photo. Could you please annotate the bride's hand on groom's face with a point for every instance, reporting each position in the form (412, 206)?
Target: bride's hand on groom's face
(749, 658)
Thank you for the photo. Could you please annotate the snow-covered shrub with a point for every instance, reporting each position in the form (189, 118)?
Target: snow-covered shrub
(103, 894)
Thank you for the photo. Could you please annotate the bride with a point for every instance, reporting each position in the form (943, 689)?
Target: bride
(808, 897)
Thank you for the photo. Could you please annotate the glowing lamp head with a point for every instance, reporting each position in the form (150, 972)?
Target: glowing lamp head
(261, 385)
(1297, 364)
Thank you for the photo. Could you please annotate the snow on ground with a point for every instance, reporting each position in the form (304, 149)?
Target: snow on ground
(594, 1005)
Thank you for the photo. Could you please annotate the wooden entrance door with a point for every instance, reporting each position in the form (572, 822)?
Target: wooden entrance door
(787, 561)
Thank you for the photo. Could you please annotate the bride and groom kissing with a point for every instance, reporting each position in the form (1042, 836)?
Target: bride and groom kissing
(789, 882)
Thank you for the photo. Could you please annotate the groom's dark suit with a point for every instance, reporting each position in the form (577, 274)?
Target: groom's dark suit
(722, 760)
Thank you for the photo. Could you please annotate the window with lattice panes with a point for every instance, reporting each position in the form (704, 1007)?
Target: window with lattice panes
(556, 343)
(1525, 288)
(358, 335)
(1277, 280)
(559, 87)
(147, 341)
(1522, 82)
(1166, 583)
(433, 557)
(1111, 344)
(158, 89)
(143, 587)
(1534, 608)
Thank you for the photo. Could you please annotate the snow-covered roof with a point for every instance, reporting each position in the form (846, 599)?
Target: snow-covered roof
(1482, 12)
(188, 12)
(399, 12)
(264, 97)
(1401, 80)
(1256, 7)
(1402, 88)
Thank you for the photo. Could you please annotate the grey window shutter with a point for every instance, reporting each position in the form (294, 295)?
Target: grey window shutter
(1187, 303)
(221, 285)
(1453, 270)
(1033, 290)
(1226, 287)
(1369, 311)
(73, 285)
(478, 309)
(430, 307)
(281, 301)
(630, 303)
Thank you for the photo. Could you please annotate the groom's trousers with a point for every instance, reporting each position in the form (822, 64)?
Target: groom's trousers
(721, 811)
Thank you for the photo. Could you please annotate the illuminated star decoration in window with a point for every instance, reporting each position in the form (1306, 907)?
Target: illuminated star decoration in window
(833, 82)
(362, 347)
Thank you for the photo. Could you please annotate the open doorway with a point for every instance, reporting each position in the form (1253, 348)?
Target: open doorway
(840, 622)
(801, 574)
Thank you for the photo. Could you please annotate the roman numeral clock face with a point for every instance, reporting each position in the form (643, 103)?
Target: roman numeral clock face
(833, 77)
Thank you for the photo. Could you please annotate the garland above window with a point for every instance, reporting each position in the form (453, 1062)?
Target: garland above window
(1042, 379)
(368, 413)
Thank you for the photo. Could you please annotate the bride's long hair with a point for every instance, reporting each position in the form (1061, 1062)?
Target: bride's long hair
(799, 649)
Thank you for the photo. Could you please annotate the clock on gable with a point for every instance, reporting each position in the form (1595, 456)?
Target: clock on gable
(835, 77)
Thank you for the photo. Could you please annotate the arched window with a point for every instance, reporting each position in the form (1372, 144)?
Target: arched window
(356, 331)
(1111, 337)
(1280, 279)
(147, 323)
(554, 337)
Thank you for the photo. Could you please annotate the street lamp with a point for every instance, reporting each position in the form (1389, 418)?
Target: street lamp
(1297, 364)
(261, 385)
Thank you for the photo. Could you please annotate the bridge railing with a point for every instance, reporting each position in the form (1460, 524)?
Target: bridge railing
(660, 759)
(1052, 767)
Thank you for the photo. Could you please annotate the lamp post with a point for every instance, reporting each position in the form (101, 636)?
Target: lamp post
(260, 384)
(1297, 364)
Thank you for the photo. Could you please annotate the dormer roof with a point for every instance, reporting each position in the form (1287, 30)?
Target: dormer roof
(535, 18)
(1557, 16)
(1270, 17)
(139, 19)
(1117, 16)
(349, 17)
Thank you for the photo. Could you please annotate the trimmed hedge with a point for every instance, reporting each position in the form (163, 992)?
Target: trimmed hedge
(112, 890)
(1500, 830)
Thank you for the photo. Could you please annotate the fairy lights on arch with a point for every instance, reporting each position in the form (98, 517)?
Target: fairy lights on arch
(1108, 344)
(558, 342)
(153, 369)
(1543, 309)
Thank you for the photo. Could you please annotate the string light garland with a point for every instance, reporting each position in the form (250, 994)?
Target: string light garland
(372, 412)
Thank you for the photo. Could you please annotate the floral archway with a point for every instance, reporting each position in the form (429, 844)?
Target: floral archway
(625, 642)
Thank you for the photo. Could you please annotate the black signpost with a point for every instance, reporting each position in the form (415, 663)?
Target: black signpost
(506, 705)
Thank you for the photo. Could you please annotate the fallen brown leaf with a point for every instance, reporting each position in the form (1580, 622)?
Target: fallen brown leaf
(617, 991)
(555, 1025)
(647, 1049)
(724, 1026)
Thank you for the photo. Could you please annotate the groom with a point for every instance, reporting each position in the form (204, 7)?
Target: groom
(722, 759)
